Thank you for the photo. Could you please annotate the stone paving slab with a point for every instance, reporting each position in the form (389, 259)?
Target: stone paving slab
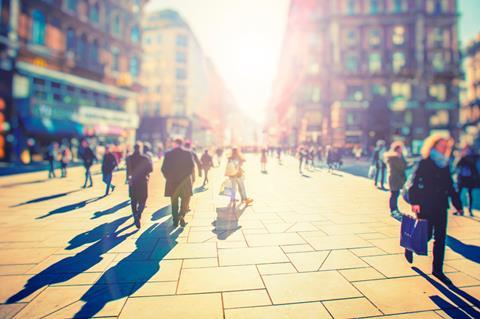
(318, 247)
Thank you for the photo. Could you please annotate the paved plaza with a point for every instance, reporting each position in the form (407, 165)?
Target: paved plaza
(319, 245)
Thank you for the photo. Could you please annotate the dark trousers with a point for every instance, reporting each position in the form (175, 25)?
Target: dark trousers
(64, 170)
(470, 198)
(380, 172)
(51, 169)
(438, 228)
(88, 176)
(205, 179)
(138, 205)
(184, 202)
(107, 179)
(394, 200)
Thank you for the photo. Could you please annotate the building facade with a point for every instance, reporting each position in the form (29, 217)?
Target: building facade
(76, 71)
(183, 94)
(363, 70)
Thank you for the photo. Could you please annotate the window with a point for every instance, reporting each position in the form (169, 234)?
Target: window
(181, 74)
(180, 93)
(38, 27)
(398, 36)
(135, 34)
(351, 7)
(351, 38)
(351, 63)
(134, 67)
(94, 13)
(401, 91)
(181, 57)
(72, 5)
(379, 89)
(82, 49)
(71, 40)
(116, 25)
(438, 92)
(374, 7)
(374, 62)
(438, 62)
(374, 37)
(398, 61)
(439, 38)
(115, 60)
(437, 6)
(316, 94)
(398, 6)
(182, 40)
(354, 93)
(94, 54)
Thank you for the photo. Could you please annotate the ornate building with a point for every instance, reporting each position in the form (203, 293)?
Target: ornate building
(76, 70)
(355, 71)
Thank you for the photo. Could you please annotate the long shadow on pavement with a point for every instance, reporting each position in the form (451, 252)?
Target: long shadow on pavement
(227, 221)
(111, 210)
(458, 307)
(132, 272)
(45, 198)
(471, 252)
(71, 266)
(68, 208)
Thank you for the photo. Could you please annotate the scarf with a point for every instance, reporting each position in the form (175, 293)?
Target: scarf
(438, 158)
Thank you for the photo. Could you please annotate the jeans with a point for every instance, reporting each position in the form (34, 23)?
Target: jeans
(238, 182)
(470, 198)
(205, 180)
(380, 171)
(175, 206)
(88, 176)
(107, 179)
(394, 200)
(51, 169)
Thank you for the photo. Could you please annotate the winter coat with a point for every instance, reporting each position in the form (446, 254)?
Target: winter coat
(468, 174)
(139, 168)
(177, 169)
(109, 163)
(397, 166)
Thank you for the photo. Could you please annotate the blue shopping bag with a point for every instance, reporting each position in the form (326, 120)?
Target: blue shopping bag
(414, 235)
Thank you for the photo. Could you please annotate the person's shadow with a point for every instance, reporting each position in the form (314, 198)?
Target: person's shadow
(68, 208)
(458, 307)
(131, 273)
(471, 252)
(71, 266)
(162, 212)
(226, 222)
(111, 210)
(45, 198)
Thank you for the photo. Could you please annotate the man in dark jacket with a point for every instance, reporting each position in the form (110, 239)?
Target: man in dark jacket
(109, 163)
(177, 169)
(379, 163)
(139, 168)
(88, 157)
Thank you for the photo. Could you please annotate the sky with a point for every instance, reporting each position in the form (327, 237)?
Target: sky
(244, 37)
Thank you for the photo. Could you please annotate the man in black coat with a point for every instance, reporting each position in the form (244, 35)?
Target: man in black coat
(139, 168)
(109, 163)
(177, 169)
(88, 157)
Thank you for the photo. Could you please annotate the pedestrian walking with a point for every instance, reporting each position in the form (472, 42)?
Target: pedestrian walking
(263, 160)
(109, 163)
(234, 171)
(331, 158)
(207, 163)
(468, 174)
(51, 156)
(302, 158)
(279, 155)
(88, 157)
(219, 153)
(433, 187)
(311, 157)
(357, 152)
(139, 168)
(378, 162)
(188, 147)
(147, 151)
(396, 167)
(65, 159)
(177, 169)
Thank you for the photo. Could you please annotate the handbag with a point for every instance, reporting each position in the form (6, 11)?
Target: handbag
(226, 189)
(371, 171)
(414, 235)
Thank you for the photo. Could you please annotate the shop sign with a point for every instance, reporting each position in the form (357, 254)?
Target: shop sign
(45, 111)
(88, 115)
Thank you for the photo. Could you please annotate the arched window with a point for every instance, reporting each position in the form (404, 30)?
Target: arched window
(134, 67)
(94, 52)
(38, 27)
(135, 34)
(71, 40)
(82, 48)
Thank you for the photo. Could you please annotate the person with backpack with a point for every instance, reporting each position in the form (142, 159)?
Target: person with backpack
(428, 192)
(235, 173)
(396, 167)
(468, 174)
(109, 163)
(380, 167)
(207, 163)
(88, 157)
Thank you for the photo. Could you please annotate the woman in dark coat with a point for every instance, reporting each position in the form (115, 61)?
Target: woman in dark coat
(434, 187)
(396, 166)
(468, 174)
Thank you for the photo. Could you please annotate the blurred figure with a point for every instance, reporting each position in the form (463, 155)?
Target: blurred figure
(219, 153)
(357, 152)
(51, 157)
(65, 159)
(396, 165)
(207, 164)
(235, 172)
(331, 158)
(139, 168)
(302, 158)
(311, 157)
(263, 160)
(468, 174)
(177, 169)
(433, 185)
(279, 155)
(88, 157)
(188, 147)
(109, 163)
(147, 151)
(377, 161)
(319, 154)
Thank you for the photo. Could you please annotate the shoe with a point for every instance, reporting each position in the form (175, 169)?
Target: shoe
(248, 201)
(182, 222)
(442, 277)
(409, 256)
(113, 188)
(175, 222)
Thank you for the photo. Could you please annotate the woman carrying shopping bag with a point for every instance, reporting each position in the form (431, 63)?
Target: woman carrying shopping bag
(235, 173)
